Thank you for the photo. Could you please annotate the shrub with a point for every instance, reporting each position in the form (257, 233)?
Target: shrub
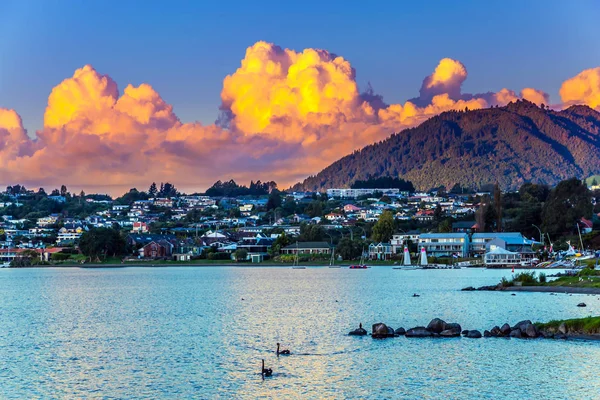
(542, 277)
(526, 278)
(59, 256)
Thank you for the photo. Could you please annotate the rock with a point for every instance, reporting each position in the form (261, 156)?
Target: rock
(531, 331)
(474, 334)
(487, 334)
(505, 329)
(419, 331)
(516, 333)
(521, 325)
(560, 336)
(562, 329)
(581, 305)
(465, 332)
(380, 330)
(358, 332)
(453, 325)
(400, 331)
(436, 325)
(452, 332)
(468, 289)
(495, 331)
(390, 332)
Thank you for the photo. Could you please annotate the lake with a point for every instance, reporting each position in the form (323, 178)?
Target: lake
(200, 332)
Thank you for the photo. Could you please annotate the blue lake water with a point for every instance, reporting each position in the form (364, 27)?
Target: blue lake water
(187, 333)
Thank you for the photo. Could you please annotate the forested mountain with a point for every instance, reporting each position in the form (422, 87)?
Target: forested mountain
(511, 145)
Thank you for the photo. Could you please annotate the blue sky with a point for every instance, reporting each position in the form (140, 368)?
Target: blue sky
(184, 49)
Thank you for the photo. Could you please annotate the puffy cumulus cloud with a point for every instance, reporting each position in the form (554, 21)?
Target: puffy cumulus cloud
(279, 92)
(287, 114)
(583, 88)
(14, 141)
(81, 96)
(447, 78)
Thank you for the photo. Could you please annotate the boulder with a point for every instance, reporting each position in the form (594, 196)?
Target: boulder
(436, 325)
(505, 329)
(465, 332)
(516, 333)
(400, 331)
(474, 334)
(468, 289)
(452, 332)
(380, 330)
(495, 331)
(453, 325)
(521, 325)
(560, 336)
(531, 331)
(419, 331)
(562, 329)
(390, 332)
(581, 305)
(358, 332)
(487, 334)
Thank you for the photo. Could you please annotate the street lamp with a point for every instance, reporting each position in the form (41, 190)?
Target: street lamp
(540, 231)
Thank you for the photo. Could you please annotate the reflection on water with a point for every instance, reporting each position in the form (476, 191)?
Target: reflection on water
(201, 332)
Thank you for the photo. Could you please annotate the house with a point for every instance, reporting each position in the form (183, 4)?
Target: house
(464, 226)
(334, 217)
(499, 257)
(160, 249)
(512, 241)
(69, 233)
(351, 208)
(400, 239)
(139, 227)
(380, 251)
(355, 193)
(307, 248)
(49, 220)
(167, 203)
(140, 240)
(445, 244)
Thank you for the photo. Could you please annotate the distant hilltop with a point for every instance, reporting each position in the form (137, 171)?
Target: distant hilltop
(518, 143)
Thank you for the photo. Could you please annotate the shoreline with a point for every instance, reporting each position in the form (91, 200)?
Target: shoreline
(551, 289)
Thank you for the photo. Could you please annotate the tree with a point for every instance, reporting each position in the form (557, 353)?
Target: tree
(349, 249)
(102, 242)
(152, 190)
(498, 207)
(25, 259)
(63, 190)
(55, 192)
(241, 255)
(594, 182)
(568, 202)
(384, 228)
(445, 226)
(281, 241)
(438, 214)
(274, 200)
(311, 233)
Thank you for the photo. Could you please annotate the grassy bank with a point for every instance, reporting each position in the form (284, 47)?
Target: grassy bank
(586, 278)
(576, 326)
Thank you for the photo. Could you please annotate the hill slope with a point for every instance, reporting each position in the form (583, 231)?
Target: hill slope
(511, 145)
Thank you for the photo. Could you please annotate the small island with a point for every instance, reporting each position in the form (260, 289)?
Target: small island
(585, 281)
(578, 328)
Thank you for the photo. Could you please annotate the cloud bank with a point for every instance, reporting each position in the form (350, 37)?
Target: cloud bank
(285, 115)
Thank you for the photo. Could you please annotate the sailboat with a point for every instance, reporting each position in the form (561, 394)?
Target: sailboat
(362, 264)
(296, 266)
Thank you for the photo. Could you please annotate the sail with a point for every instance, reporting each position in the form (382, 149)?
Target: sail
(406, 256)
(423, 256)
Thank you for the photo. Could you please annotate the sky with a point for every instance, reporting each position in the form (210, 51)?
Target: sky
(186, 49)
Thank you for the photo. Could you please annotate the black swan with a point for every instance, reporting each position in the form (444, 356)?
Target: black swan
(266, 371)
(285, 352)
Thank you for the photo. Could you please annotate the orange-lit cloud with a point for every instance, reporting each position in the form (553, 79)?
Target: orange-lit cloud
(286, 115)
(584, 88)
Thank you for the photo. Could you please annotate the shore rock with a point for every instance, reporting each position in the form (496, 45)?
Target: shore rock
(452, 332)
(358, 332)
(436, 325)
(474, 334)
(516, 333)
(465, 332)
(522, 325)
(495, 331)
(468, 289)
(505, 329)
(562, 329)
(381, 330)
(487, 334)
(419, 331)
(581, 305)
(454, 325)
(531, 331)
(400, 331)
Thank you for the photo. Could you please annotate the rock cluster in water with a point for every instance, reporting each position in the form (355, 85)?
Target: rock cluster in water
(439, 328)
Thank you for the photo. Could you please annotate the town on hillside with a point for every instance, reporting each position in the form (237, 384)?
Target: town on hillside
(381, 220)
